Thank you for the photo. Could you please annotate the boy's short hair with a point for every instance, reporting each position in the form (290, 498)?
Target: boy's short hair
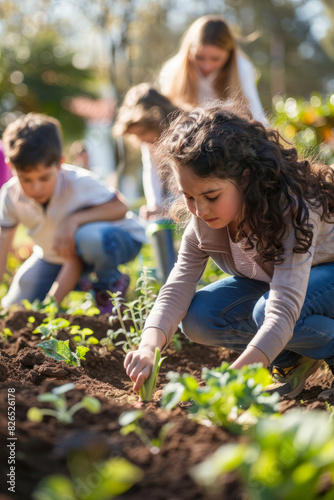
(33, 139)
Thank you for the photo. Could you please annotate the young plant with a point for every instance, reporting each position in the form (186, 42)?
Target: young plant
(147, 389)
(114, 477)
(50, 327)
(61, 412)
(230, 397)
(80, 335)
(129, 421)
(60, 351)
(287, 458)
(48, 306)
(135, 312)
(5, 334)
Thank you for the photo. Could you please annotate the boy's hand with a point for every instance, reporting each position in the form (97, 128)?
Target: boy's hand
(138, 365)
(64, 242)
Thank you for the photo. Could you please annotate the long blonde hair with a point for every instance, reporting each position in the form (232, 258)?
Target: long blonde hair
(207, 30)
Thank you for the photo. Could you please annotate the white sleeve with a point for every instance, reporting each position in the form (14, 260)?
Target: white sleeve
(8, 214)
(247, 77)
(151, 181)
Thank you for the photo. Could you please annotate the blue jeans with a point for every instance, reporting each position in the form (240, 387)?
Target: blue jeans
(101, 246)
(229, 313)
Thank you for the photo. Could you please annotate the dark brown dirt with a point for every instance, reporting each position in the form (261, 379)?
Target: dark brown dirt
(46, 448)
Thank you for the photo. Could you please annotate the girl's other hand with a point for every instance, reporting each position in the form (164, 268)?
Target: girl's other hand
(138, 365)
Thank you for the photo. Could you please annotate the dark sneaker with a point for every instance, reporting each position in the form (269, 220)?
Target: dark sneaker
(290, 381)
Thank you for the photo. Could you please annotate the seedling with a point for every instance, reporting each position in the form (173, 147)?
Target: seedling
(50, 327)
(61, 412)
(5, 334)
(135, 311)
(232, 398)
(147, 389)
(80, 335)
(48, 306)
(286, 458)
(114, 477)
(60, 351)
(129, 421)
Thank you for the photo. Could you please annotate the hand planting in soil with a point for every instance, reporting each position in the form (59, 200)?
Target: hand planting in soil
(231, 397)
(60, 351)
(147, 389)
(288, 458)
(61, 412)
(129, 421)
(114, 477)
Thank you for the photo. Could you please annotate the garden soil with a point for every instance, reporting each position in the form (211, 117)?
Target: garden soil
(47, 448)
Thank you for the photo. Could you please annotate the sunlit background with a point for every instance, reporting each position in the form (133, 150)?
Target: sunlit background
(76, 59)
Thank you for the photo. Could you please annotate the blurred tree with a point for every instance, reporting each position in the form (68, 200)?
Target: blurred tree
(37, 72)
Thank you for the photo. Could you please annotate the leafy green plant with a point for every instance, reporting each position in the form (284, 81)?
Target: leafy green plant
(232, 398)
(60, 351)
(50, 327)
(284, 460)
(5, 334)
(48, 306)
(115, 476)
(61, 412)
(79, 303)
(147, 389)
(80, 335)
(129, 421)
(133, 313)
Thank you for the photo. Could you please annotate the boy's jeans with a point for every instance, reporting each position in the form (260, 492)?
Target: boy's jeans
(101, 246)
(229, 312)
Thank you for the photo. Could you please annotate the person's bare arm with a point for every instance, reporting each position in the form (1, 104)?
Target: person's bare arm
(64, 242)
(66, 280)
(6, 241)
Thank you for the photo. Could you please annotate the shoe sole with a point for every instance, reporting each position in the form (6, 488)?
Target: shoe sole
(293, 394)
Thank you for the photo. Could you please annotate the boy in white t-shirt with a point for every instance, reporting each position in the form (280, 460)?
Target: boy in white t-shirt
(78, 224)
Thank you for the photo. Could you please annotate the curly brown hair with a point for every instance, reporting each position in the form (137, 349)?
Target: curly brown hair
(220, 140)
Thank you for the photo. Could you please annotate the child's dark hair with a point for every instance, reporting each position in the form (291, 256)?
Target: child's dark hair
(279, 188)
(33, 139)
(143, 105)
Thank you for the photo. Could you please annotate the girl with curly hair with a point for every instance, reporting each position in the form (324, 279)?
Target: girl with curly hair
(266, 217)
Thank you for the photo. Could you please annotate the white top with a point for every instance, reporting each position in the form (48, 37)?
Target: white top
(151, 180)
(76, 189)
(247, 76)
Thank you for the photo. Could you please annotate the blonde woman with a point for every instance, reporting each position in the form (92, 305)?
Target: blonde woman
(210, 64)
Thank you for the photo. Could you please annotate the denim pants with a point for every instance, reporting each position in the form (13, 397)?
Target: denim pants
(102, 248)
(229, 313)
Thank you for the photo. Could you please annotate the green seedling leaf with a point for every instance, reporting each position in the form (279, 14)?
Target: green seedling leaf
(147, 389)
(61, 389)
(129, 417)
(34, 414)
(31, 319)
(59, 350)
(92, 340)
(81, 351)
(91, 404)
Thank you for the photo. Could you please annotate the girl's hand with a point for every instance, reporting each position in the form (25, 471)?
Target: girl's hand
(138, 365)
